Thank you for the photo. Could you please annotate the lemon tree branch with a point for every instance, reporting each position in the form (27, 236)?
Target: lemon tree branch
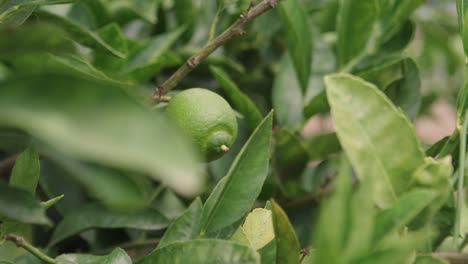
(235, 29)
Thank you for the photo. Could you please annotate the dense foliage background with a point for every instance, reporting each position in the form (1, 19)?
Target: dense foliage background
(361, 161)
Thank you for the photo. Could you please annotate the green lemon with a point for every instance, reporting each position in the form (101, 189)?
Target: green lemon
(206, 118)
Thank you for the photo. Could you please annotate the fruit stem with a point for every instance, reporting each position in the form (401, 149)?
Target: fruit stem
(224, 148)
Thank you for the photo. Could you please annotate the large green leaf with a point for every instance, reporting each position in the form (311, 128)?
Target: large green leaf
(235, 194)
(96, 216)
(286, 95)
(296, 27)
(240, 101)
(354, 29)
(21, 206)
(185, 227)
(117, 256)
(15, 12)
(287, 246)
(99, 122)
(203, 251)
(363, 116)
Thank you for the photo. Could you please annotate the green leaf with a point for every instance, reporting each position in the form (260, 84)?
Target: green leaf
(363, 116)
(406, 93)
(117, 256)
(383, 71)
(80, 33)
(25, 173)
(15, 12)
(235, 194)
(96, 216)
(287, 246)
(401, 213)
(21, 206)
(398, 15)
(296, 27)
(203, 251)
(240, 101)
(258, 228)
(354, 31)
(99, 122)
(185, 227)
(286, 95)
(145, 61)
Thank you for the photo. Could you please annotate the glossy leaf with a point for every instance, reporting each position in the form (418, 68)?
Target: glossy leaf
(117, 131)
(96, 216)
(287, 246)
(21, 206)
(287, 97)
(25, 173)
(296, 28)
(363, 115)
(234, 195)
(203, 251)
(240, 101)
(117, 256)
(185, 227)
(354, 31)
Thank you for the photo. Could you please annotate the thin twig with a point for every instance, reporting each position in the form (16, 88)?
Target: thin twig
(460, 199)
(234, 30)
(22, 243)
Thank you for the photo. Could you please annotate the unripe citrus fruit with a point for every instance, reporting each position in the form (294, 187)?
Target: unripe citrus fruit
(206, 118)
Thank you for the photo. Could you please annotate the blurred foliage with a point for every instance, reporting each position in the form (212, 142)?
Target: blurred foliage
(75, 120)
